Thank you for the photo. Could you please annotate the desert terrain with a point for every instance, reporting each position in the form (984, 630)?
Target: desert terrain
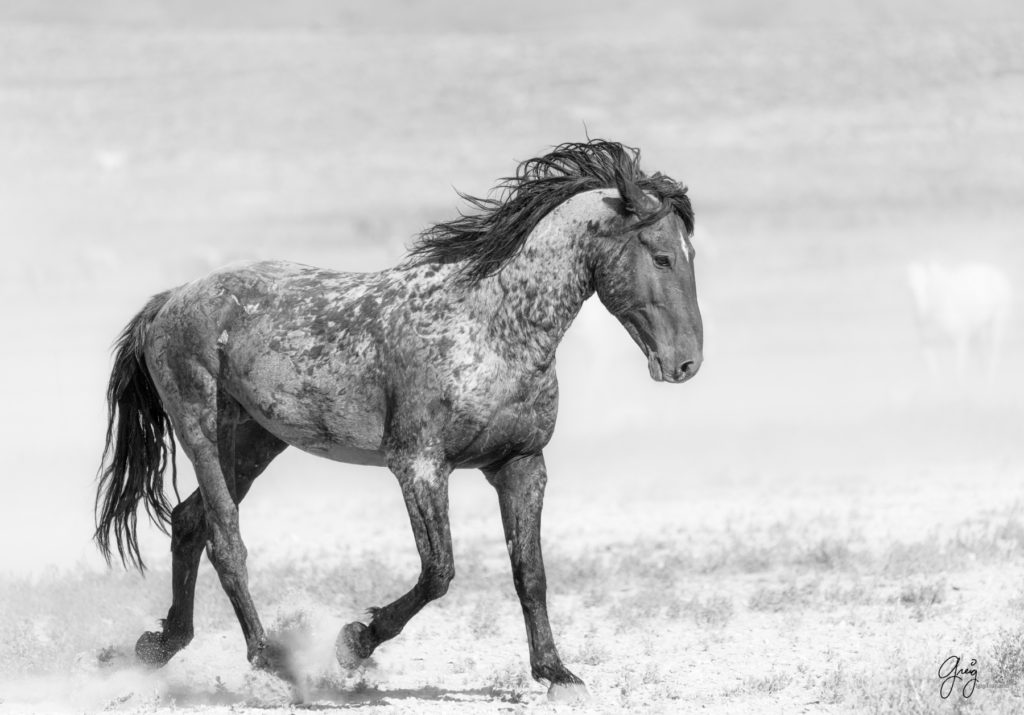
(813, 524)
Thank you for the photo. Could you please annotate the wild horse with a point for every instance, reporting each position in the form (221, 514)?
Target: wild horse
(444, 361)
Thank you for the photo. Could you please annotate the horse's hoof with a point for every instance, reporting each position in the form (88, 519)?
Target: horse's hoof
(568, 693)
(350, 648)
(150, 649)
(274, 658)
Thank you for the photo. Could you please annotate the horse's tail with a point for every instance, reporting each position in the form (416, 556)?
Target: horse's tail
(139, 446)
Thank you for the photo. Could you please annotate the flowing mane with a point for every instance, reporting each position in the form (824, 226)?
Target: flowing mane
(484, 241)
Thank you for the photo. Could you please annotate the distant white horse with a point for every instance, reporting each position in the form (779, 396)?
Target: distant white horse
(961, 315)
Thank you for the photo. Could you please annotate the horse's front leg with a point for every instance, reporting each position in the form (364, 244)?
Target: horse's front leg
(424, 482)
(520, 484)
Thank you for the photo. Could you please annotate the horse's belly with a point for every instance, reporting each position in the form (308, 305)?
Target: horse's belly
(345, 453)
(345, 434)
(334, 414)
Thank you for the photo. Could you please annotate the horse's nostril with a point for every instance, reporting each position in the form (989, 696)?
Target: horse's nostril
(688, 368)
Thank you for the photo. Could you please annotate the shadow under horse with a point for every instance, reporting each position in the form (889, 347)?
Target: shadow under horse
(444, 361)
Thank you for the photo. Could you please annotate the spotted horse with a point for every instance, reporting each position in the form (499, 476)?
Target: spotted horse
(444, 361)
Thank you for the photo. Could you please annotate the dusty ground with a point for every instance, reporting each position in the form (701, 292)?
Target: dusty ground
(811, 525)
(724, 597)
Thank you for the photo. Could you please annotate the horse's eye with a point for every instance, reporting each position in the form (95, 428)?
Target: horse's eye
(662, 261)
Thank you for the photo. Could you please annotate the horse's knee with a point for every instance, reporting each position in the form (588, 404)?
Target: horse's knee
(435, 582)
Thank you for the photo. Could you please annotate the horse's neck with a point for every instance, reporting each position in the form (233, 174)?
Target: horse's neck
(531, 302)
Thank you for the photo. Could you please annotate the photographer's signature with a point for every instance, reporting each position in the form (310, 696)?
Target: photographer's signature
(954, 675)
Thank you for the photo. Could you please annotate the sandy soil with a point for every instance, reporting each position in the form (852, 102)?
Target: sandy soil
(737, 598)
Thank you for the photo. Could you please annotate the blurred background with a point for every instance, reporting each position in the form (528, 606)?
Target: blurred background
(827, 146)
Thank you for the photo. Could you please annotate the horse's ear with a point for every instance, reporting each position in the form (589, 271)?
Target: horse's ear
(634, 200)
(618, 205)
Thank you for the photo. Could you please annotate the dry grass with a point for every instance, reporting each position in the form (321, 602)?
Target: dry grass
(877, 593)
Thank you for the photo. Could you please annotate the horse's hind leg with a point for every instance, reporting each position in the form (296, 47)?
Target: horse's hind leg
(215, 472)
(188, 534)
(253, 449)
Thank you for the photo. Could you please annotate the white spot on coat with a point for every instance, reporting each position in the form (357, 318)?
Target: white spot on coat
(424, 470)
(686, 249)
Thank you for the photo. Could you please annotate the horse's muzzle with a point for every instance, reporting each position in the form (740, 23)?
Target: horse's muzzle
(675, 371)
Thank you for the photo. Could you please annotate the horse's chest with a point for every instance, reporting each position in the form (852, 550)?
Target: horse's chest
(505, 416)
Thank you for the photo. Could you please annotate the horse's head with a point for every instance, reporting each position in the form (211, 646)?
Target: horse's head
(643, 273)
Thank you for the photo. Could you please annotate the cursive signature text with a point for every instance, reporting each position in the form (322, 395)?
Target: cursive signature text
(952, 674)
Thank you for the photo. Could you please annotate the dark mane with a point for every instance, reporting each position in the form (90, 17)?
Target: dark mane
(485, 240)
